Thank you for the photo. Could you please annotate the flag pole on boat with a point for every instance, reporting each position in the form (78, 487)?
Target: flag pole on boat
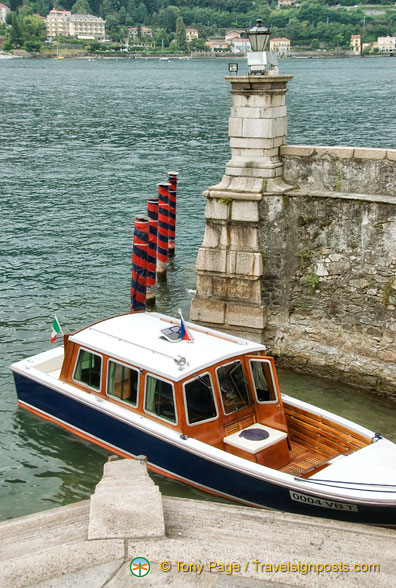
(56, 328)
(185, 334)
(139, 264)
(152, 213)
(172, 180)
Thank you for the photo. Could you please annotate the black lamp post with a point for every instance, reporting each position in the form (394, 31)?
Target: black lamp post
(259, 36)
(260, 60)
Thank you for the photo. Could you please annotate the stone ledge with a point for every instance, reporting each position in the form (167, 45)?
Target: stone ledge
(199, 531)
(113, 507)
(30, 569)
(366, 153)
(300, 150)
(338, 151)
(383, 198)
(231, 195)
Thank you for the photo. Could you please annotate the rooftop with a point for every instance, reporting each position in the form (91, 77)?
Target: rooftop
(137, 339)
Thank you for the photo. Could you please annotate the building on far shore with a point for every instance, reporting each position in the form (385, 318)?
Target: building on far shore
(373, 45)
(62, 23)
(191, 34)
(215, 44)
(133, 32)
(230, 36)
(3, 12)
(281, 46)
(282, 3)
(386, 44)
(57, 24)
(356, 44)
(240, 45)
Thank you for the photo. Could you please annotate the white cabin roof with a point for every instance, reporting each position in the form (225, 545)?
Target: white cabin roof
(137, 339)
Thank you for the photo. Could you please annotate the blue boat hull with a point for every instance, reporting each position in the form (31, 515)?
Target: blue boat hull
(179, 463)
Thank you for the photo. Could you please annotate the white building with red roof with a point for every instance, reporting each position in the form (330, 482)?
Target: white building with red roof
(62, 23)
(4, 9)
(233, 34)
(281, 46)
(240, 45)
(386, 44)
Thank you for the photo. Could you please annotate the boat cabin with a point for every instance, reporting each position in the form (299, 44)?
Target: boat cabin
(219, 389)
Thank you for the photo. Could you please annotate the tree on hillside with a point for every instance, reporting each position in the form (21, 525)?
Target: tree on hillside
(180, 35)
(15, 37)
(81, 7)
(43, 7)
(141, 14)
(26, 31)
(167, 18)
(161, 38)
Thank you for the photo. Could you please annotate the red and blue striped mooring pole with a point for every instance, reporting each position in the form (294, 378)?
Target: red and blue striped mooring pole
(172, 180)
(139, 264)
(163, 230)
(152, 213)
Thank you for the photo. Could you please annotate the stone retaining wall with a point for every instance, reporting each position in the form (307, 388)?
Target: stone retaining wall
(329, 279)
(340, 169)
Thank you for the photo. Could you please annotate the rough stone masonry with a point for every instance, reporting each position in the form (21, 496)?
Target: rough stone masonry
(299, 249)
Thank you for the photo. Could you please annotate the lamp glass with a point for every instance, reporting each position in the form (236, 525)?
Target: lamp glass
(258, 36)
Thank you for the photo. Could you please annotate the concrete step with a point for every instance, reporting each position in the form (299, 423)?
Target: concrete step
(52, 549)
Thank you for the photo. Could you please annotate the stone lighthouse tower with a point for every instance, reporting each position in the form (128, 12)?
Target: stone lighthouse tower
(229, 264)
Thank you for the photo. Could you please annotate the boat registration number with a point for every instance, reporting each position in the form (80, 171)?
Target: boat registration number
(322, 502)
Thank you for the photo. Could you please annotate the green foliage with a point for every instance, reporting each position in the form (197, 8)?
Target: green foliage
(388, 289)
(81, 7)
(306, 23)
(339, 180)
(32, 46)
(27, 31)
(313, 281)
(180, 36)
(197, 45)
(167, 18)
(94, 46)
(304, 257)
(162, 38)
(226, 201)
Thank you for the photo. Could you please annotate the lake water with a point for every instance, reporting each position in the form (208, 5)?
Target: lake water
(83, 144)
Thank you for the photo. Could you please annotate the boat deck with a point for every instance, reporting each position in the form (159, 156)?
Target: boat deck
(304, 461)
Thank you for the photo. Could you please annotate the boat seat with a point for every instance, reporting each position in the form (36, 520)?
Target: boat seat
(272, 451)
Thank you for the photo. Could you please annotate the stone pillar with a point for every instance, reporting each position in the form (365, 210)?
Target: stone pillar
(229, 264)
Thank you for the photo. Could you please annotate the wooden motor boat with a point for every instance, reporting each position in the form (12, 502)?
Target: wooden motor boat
(209, 413)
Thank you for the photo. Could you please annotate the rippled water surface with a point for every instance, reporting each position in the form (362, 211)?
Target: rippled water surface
(83, 144)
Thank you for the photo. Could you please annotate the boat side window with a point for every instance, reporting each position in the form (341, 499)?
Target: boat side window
(160, 398)
(199, 399)
(233, 387)
(263, 380)
(88, 369)
(122, 382)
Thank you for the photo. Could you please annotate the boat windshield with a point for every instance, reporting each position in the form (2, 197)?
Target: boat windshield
(233, 387)
(263, 380)
(200, 401)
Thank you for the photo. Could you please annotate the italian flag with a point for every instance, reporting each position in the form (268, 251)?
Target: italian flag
(56, 328)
